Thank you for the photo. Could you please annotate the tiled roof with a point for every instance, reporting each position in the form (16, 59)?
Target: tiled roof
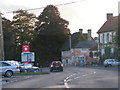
(78, 40)
(85, 44)
(80, 44)
(109, 25)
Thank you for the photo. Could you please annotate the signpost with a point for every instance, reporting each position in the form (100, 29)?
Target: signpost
(26, 55)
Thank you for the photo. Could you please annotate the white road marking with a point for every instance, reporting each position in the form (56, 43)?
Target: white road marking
(68, 78)
(84, 75)
(66, 85)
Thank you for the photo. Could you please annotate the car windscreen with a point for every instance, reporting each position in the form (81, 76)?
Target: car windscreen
(56, 64)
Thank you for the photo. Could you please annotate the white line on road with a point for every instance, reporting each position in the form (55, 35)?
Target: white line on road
(69, 78)
(66, 85)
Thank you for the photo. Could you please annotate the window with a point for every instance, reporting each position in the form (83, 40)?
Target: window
(81, 58)
(84, 50)
(107, 38)
(0, 64)
(5, 64)
(103, 39)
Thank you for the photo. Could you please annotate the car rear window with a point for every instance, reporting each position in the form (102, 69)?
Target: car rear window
(56, 64)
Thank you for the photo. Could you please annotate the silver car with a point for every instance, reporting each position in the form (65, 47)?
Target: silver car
(28, 67)
(111, 62)
(8, 69)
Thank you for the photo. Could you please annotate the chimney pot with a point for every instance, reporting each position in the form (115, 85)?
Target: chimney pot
(80, 30)
(109, 16)
(89, 34)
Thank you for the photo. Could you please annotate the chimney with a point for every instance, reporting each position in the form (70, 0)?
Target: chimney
(89, 35)
(109, 16)
(80, 30)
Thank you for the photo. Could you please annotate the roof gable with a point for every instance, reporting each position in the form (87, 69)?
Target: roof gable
(109, 25)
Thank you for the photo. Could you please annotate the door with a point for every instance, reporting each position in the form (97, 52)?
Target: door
(81, 60)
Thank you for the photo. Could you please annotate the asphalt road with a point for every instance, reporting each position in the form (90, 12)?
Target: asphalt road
(71, 77)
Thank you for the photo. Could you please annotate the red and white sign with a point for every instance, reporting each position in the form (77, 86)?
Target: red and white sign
(25, 48)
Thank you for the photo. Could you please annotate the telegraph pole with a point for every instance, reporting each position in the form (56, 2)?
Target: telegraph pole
(1, 40)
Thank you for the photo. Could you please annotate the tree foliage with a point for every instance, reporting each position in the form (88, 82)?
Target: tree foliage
(23, 24)
(52, 33)
(8, 39)
(108, 52)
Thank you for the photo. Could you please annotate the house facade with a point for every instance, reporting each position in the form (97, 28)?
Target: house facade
(78, 54)
(107, 34)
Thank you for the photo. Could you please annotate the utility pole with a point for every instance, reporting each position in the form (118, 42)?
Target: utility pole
(1, 40)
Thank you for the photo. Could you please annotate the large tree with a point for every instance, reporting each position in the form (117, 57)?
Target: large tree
(23, 24)
(52, 33)
(8, 39)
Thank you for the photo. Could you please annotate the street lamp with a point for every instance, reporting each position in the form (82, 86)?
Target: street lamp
(1, 40)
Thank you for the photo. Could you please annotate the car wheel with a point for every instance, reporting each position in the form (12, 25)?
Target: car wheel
(61, 69)
(25, 70)
(37, 70)
(110, 65)
(51, 70)
(8, 74)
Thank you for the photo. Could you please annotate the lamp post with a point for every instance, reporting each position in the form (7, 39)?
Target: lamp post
(69, 34)
(1, 40)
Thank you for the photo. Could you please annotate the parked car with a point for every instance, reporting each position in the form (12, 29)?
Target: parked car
(111, 62)
(28, 67)
(56, 65)
(13, 62)
(8, 69)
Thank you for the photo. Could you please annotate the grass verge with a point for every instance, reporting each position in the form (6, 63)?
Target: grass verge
(31, 73)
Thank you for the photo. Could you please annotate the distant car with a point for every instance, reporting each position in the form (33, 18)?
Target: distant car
(8, 69)
(111, 62)
(56, 65)
(28, 67)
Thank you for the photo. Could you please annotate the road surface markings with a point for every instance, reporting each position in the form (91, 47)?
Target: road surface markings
(75, 76)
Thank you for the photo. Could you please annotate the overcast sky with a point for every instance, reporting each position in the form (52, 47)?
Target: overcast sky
(85, 14)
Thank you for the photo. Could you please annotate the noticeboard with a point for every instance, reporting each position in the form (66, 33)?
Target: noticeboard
(27, 56)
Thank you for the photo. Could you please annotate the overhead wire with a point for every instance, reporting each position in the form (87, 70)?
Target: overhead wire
(44, 7)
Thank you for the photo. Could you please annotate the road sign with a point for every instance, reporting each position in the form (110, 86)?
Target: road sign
(28, 56)
(25, 48)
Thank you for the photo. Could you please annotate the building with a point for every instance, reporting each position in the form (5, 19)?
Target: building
(78, 53)
(107, 34)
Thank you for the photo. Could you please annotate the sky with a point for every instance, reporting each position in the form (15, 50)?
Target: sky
(85, 14)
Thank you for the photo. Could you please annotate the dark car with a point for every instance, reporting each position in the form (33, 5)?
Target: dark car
(56, 65)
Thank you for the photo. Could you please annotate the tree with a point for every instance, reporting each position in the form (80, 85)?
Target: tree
(23, 27)
(52, 33)
(24, 24)
(118, 38)
(108, 52)
(8, 39)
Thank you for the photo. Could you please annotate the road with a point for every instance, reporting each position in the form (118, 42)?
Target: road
(71, 77)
